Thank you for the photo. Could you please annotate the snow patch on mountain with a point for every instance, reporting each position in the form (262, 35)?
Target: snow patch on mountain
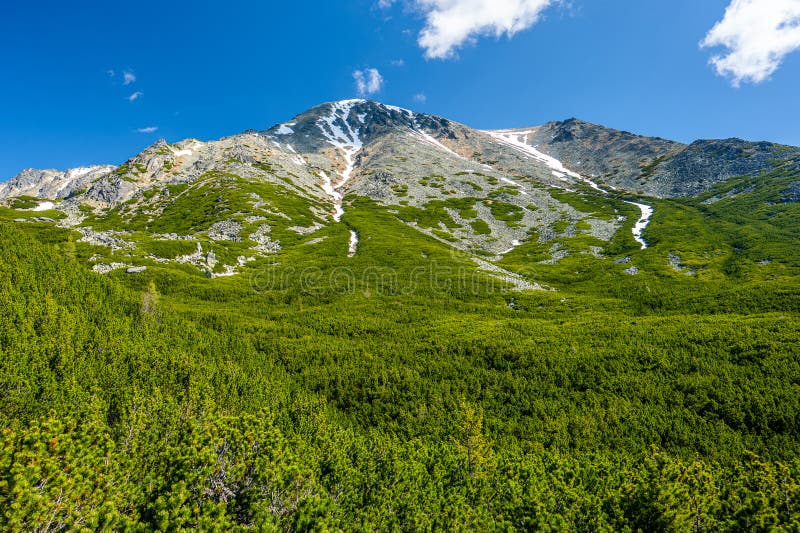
(44, 206)
(80, 171)
(338, 132)
(285, 129)
(344, 138)
(428, 138)
(518, 140)
(515, 184)
(514, 244)
(330, 190)
(642, 223)
(353, 244)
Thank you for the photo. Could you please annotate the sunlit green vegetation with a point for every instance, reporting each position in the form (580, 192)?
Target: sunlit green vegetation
(402, 388)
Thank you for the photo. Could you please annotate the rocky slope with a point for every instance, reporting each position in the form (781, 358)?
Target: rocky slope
(53, 184)
(651, 165)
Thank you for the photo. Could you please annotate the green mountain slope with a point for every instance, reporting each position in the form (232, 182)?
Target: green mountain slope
(274, 368)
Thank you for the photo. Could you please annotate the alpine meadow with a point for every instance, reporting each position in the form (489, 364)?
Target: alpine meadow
(371, 318)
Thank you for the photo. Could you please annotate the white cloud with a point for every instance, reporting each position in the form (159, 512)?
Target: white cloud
(110, 73)
(129, 77)
(368, 81)
(452, 23)
(148, 129)
(398, 62)
(135, 96)
(758, 34)
(420, 98)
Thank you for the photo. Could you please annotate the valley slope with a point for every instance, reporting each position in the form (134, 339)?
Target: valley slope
(368, 318)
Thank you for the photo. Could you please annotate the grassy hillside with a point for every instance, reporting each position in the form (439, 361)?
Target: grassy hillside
(405, 388)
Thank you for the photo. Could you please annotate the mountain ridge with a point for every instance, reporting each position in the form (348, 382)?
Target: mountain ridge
(486, 193)
(652, 166)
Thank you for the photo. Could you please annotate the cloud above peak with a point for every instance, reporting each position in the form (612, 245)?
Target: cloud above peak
(148, 129)
(758, 35)
(450, 24)
(368, 81)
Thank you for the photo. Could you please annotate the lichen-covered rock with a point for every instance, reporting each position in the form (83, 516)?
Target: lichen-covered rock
(105, 268)
(107, 238)
(792, 194)
(226, 230)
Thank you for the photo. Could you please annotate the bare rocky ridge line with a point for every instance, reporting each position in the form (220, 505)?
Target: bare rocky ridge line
(53, 184)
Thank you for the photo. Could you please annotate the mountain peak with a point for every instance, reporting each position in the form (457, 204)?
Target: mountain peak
(353, 123)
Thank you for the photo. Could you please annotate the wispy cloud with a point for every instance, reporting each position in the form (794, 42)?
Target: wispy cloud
(148, 129)
(420, 98)
(110, 73)
(398, 62)
(129, 77)
(758, 35)
(450, 24)
(135, 96)
(368, 81)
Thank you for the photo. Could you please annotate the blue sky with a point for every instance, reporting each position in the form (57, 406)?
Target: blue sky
(208, 69)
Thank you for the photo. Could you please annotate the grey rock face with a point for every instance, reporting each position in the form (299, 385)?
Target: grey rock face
(390, 147)
(702, 164)
(371, 120)
(211, 259)
(109, 239)
(226, 230)
(612, 156)
(264, 243)
(111, 190)
(651, 165)
(792, 194)
(53, 184)
(105, 268)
